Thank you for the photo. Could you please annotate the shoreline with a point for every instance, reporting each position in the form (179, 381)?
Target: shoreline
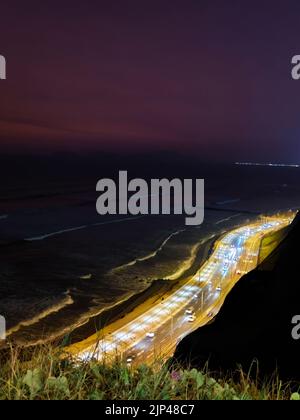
(122, 325)
(128, 304)
(131, 307)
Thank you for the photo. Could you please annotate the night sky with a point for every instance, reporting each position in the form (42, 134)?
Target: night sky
(212, 78)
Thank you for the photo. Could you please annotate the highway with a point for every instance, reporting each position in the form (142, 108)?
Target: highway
(156, 332)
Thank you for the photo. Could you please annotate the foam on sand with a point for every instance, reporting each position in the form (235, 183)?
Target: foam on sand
(73, 229)
(67, 300)
(149, 256)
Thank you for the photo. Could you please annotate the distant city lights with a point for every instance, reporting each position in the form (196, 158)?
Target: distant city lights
(280, 165)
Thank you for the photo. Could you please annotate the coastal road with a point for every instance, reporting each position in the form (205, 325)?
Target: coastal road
(156, 332)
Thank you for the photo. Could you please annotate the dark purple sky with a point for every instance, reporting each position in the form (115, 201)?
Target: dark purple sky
(204, 76)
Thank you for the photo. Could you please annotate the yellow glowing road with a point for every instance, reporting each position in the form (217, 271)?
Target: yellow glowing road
(158, 330)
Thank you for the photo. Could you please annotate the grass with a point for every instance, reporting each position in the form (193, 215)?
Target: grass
(44, 376)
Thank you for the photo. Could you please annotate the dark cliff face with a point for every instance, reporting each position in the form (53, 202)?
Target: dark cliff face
(256, 319)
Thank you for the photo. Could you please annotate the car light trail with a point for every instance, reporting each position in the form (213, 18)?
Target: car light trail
(176, 316)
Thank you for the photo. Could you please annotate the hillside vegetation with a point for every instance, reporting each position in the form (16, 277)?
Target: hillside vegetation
(47, 377)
